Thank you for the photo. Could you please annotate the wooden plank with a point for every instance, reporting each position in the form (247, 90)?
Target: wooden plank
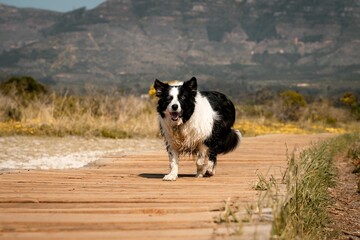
(124, 197)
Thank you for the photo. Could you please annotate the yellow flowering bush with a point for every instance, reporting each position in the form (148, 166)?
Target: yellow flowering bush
(19, 128)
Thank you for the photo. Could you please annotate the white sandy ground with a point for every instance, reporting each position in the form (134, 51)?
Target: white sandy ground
(21, 152)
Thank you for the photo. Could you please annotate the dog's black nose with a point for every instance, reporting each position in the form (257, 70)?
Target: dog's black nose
(174, 107)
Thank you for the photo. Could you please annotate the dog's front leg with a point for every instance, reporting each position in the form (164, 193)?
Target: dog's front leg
(174, 166)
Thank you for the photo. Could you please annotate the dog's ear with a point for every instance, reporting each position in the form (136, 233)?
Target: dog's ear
(159, 87)
(191, 84)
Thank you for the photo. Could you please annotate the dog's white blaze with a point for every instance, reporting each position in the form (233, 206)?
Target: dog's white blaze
(176, 83)
(174, 92)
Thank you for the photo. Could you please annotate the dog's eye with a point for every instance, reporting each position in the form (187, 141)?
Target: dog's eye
(169, 98)
(182, 98)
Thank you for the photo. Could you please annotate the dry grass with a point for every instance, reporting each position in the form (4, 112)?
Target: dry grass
(353, 155)
(112, 115)
(316, 117)
(117, 116)
(302, 213)
(299, 201)
(30, 108)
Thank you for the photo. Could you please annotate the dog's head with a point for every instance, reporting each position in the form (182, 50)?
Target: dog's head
(176, 100)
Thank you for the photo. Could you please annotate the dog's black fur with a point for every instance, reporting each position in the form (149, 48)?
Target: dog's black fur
(183, 111)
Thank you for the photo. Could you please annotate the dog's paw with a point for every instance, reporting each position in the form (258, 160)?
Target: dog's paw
(210, 170)
(170, 177)
(209, 173)
(199, 175)
(200, 172)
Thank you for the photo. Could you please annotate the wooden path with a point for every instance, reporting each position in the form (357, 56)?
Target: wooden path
(123, 197)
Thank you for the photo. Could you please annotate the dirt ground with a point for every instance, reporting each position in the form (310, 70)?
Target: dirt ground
(23, 152)
(345, 211)
(122, 196)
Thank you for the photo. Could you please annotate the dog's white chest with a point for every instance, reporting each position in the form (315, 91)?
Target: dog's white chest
(188, 137)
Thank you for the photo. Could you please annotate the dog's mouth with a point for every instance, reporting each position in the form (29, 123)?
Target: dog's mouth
(175, 116)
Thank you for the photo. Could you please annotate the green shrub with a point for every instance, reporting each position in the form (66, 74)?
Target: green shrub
(23, 89)
(292, 106)
(350, 100)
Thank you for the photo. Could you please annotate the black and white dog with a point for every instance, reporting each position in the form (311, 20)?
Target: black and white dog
(195, 122)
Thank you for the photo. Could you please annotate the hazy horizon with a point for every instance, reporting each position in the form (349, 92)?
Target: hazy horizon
(59, 6)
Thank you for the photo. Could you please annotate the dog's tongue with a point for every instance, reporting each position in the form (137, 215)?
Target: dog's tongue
(174, 116)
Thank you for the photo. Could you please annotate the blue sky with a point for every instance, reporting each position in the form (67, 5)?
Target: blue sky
(60, 6)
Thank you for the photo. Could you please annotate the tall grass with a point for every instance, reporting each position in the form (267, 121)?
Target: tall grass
(108, 115)
(117, 115)
(300, 201)
(302, 214)
(31, 108)
(316, 117)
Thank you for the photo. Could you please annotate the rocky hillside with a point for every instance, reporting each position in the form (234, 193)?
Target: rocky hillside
(130, 42)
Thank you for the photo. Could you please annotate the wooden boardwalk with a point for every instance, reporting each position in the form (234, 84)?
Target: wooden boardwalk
(123, 197)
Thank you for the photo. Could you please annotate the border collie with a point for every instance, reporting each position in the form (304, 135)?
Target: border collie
(196, 123)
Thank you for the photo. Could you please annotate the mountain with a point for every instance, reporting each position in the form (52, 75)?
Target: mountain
(225, 43)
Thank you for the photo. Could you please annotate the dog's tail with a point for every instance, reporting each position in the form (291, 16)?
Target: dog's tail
(232, 140)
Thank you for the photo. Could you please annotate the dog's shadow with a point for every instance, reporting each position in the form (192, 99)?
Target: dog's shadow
(160, 176)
